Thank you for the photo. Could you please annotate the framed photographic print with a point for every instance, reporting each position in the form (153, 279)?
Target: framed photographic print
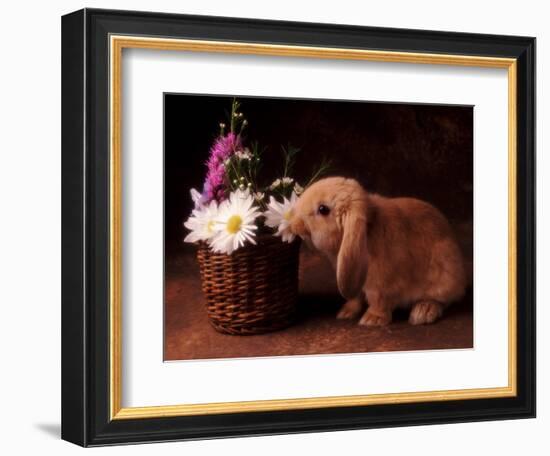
(275, 227)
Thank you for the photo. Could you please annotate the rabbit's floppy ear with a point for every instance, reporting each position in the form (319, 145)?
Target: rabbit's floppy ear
(351, 265)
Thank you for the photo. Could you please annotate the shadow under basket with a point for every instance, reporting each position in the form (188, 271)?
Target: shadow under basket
(255, 289)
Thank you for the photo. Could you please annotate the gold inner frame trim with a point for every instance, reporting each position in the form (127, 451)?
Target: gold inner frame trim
(117, 44)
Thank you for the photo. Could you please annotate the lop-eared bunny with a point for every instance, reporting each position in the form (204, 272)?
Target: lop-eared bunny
(395, 252)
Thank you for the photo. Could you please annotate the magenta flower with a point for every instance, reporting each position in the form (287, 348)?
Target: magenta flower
(221, 150)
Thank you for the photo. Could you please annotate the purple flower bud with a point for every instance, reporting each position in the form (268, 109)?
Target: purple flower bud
(221, 150)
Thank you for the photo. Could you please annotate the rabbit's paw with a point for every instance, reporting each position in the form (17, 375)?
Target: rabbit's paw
(377, 318)
(351, 309)
(424, 312)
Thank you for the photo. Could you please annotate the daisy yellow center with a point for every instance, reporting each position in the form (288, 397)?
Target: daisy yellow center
(234, 223)
(286, 216)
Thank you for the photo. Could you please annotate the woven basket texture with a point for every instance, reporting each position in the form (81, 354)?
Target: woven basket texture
(255, 289)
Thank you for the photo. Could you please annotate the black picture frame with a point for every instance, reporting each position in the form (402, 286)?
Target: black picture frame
(85, 228)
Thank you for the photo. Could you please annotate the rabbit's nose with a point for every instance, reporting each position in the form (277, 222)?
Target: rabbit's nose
(297, 226)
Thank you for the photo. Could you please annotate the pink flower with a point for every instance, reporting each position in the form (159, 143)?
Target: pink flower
(221, 150)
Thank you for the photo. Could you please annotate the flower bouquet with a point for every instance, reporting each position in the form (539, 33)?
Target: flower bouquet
(247, 256)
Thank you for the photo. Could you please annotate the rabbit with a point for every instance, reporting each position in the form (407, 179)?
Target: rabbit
(393, 252)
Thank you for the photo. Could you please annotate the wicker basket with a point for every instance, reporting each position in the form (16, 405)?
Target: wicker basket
(254, 290)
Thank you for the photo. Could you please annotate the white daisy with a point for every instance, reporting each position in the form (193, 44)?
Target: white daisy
(235, 222)
(259, 196)
(196, 197)
(243, 155)
(287, 180)
(298, 189)
(275, 184)
(202, 223)
(278, 216)
(282, 181)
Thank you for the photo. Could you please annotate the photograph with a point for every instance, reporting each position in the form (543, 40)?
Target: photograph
(316, 226)
(289, 225)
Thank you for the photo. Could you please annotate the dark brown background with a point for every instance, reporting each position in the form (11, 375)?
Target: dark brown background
(424, 151)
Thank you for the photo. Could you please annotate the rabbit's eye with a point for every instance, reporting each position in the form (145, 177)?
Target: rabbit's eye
(323, 210)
